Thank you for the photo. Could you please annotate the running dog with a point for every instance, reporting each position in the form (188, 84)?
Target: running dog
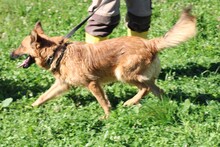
(131, 60)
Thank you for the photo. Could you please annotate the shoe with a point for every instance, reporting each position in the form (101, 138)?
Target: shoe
(133, 33)
(93, 39)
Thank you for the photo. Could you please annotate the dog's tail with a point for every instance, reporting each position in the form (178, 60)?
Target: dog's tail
(184, 29)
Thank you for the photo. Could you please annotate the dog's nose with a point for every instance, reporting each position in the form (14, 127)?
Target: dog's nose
(13, 55)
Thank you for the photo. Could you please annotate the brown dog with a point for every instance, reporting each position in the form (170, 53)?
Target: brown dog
(132, 60)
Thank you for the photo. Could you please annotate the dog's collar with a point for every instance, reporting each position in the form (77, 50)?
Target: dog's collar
(50, 60)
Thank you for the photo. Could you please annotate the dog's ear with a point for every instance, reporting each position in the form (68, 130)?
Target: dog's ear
(35, 39)
(38, 28)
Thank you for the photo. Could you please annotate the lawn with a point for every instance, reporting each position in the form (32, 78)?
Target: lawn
(188, 115)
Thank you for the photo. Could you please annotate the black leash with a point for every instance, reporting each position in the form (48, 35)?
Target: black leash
(81, 23)
(63, 45)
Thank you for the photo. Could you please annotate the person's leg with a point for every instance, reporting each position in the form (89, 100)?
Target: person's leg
(138, 17)
(102, 23)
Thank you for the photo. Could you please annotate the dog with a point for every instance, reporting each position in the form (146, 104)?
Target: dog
(132, 60)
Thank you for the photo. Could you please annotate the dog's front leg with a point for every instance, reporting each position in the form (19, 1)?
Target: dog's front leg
(99, 94)
(56, 89)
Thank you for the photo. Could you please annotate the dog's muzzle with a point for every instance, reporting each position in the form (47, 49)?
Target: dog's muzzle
(26, 63)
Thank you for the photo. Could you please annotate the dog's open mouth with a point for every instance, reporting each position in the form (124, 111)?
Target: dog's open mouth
(27, 62)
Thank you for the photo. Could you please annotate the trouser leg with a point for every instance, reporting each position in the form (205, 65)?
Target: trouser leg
(102, 23)
(138, 17)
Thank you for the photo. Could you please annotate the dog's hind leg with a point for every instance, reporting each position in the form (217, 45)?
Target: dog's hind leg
(56, 89)
(143, 90)
(155, 89)
(99, 94)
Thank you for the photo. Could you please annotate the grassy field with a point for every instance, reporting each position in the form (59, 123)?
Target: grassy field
(189, 115)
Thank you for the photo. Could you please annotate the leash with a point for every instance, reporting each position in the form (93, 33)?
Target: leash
(64, 45)
(81, 23)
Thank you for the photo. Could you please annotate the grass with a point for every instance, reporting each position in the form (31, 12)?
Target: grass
(189, 115)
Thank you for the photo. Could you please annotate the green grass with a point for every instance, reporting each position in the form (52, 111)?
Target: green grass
(189, 115)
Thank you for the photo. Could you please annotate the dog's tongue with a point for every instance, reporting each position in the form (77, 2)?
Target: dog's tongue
(27, 62)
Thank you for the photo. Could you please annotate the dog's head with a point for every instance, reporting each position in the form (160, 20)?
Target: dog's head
(38, 46)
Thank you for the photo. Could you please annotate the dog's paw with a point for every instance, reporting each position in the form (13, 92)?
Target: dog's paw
(35, 104)
(130, 102)
(104, 117)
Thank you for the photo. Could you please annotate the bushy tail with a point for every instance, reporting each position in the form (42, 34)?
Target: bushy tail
(184, 29)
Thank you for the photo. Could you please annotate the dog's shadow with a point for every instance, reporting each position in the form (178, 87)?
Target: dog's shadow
(200, 99)
(191, 69)
(17, 90)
